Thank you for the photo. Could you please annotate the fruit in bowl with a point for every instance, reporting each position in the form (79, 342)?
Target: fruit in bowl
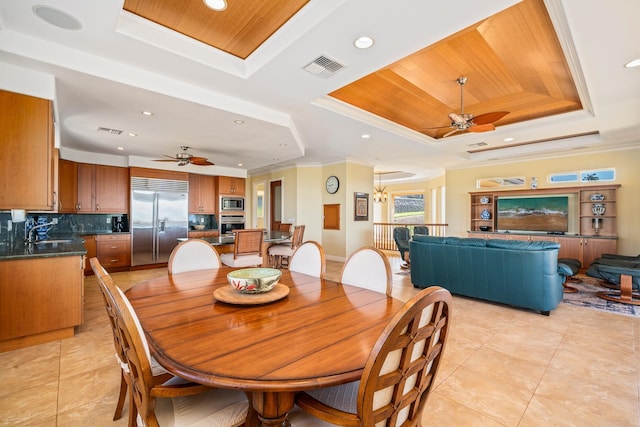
(254, 280)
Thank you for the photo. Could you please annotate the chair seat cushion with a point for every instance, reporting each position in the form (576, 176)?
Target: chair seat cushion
(241, 261)
(216, 408)
(281, 250)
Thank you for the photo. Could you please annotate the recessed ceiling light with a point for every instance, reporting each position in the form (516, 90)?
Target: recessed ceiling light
(57, 18)
(239, 164)
(634, 63)
(238, 122)
(120, 148)
(365, 136)
(217, 5)
(147, 113)
(133, 134)
(508, 139)
(363, 42)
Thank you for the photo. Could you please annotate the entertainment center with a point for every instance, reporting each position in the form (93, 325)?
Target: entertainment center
(581, 219)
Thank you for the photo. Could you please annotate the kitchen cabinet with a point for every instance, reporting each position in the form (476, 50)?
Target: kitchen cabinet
(97, 189)
(67, 186)
(91, 245)
(41, 300)
(28, 165)
(202, 194)
(114, 250)
(231, 186)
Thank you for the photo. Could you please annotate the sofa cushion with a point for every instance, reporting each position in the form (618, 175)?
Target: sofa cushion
(428, 239)
(472, 241)
(537, 245)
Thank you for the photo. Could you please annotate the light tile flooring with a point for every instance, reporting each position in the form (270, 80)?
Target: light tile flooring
(502, 367)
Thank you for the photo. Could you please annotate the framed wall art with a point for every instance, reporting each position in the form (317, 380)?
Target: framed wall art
(361, 206)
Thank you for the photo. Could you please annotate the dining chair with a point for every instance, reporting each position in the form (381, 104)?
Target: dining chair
(368, 268)
(160, 375)
(247, 248)
(309, 259)
(285, 227)
(191, 255)
(398, 374)
(175, 402)
(280, 254)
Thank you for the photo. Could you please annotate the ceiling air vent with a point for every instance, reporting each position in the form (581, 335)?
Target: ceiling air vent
(109, 130)
(323, 66)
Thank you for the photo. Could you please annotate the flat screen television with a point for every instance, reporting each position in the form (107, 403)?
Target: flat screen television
(548, 213)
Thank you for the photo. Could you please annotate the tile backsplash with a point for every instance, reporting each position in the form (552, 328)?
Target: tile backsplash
(67, 224)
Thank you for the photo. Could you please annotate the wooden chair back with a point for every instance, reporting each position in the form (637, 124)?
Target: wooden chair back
(298, 235)
(368, 268)
(401, 368)
(248, 242)
(192, 255)
(309, 259)
(285, 227)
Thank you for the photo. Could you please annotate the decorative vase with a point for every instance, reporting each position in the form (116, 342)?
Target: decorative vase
(485, 214)
(534, 182)
(598, 208)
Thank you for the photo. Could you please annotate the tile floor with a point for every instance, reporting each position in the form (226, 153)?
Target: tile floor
(502, 367)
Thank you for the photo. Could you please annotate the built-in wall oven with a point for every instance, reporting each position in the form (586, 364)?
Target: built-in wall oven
(228, 223)
(232, 204)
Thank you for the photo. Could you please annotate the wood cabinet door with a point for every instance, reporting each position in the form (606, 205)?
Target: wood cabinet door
(194, 193)
(67, 186)
(86, 179)
(111, 189)
(208, 194)
(593, 249)
(230, 185)
(28, 164)
(570, 247)
(90, 245)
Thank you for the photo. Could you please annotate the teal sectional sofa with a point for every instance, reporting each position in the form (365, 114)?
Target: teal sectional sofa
(518, 273)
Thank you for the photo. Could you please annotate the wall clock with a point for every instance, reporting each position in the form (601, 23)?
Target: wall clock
(332, 184)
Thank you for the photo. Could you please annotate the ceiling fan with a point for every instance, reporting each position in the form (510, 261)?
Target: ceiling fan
(468, 122)
(185, 158)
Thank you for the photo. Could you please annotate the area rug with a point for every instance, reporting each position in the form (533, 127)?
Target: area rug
(586, 298)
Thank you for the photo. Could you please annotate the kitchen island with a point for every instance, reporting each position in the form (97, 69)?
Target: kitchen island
(41, 292)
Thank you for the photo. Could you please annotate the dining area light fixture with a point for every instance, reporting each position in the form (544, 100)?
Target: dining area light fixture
(379, 195)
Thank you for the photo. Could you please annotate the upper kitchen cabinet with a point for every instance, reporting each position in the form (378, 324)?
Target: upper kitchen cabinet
(28, 165)
(202, 194)
(230, 185)
(87, 188)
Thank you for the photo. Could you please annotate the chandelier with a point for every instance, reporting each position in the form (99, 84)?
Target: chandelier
(379, 195)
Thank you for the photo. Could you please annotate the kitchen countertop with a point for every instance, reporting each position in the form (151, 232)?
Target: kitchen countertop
(229, 239)
(20, 250)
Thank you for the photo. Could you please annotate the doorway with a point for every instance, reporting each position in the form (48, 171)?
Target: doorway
(275, 205)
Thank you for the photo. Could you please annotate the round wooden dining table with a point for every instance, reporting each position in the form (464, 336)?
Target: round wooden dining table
(319, 334)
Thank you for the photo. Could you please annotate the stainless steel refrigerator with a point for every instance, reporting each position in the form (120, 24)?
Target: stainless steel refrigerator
(159, 216)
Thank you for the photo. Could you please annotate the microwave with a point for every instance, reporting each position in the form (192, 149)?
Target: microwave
(232, 203)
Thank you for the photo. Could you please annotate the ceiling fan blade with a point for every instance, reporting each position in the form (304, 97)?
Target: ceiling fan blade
(482, 128)
(451, 133)
(435, 128)
(197, 159)
(201, 161)
(489, 117)
(166, 160)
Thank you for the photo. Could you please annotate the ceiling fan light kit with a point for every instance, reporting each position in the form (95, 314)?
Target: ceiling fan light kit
(183, 158)
(468, 122)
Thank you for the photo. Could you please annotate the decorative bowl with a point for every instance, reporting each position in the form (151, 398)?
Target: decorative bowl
(198, 227)
(596, 197)
(484, 228)
(254, 280)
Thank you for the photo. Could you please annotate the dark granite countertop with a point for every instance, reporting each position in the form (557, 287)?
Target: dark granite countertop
(19, 250)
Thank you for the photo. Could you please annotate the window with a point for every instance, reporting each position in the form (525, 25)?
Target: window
(408, 208)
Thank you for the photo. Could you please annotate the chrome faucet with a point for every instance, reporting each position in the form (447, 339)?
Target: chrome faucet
(30, 237)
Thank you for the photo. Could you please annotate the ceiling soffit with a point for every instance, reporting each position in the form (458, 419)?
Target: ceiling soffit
(513, 61)
(239, 30)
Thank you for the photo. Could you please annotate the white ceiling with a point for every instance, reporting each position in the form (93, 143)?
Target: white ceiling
(118, 65)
